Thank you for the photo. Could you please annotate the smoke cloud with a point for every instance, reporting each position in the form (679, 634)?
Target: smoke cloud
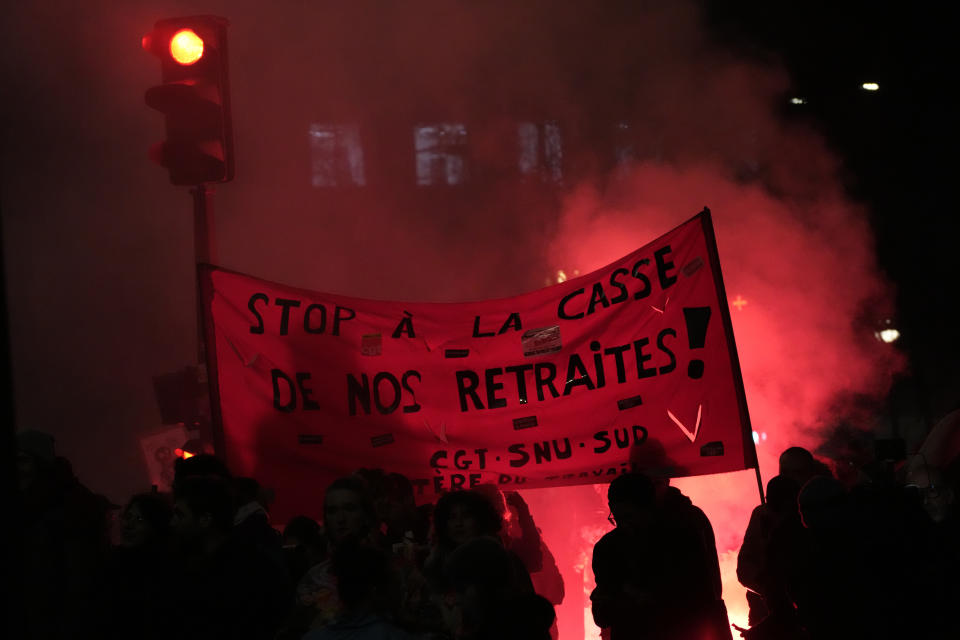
(797, 255)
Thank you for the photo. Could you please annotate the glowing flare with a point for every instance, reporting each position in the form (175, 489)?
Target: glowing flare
(798, 101)
(186, 47)
(870, 86)
(561, 276)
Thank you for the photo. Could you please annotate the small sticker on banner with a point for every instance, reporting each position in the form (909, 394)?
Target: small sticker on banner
(629, 403)
(524, 423)
(537, 342)
(456, 353)
(714, 448)
(692, 267)
(379, 441)
(310, 438)
(371, 345)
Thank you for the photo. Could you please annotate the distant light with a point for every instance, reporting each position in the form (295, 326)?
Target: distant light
(763, 436)
(870, 86)
(889, 335)
(798, 101)
(186, 47)
(756, 438)
(561, 276)
(886, 331)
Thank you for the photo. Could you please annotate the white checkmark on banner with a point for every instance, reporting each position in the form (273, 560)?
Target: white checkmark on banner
(686, 432)
(442, 436)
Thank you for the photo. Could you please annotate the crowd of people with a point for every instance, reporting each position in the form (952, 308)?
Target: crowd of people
(876, 556)
(873, 558)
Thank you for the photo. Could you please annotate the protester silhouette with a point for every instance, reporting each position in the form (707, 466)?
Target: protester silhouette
(461, 516)
(796, 466)
(469, 570)
(251, 521)
(399, 519)
(64, 542)
(304, 546)
(139, 573)
(521, 536)
(877, 557)
(349, 517)
(490, 596)
(202, 464)
(654, 576)
(772, 614)
(226, 587)
(938, 583)
(369, 593)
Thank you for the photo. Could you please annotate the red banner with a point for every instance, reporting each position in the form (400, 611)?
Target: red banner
(633, 365)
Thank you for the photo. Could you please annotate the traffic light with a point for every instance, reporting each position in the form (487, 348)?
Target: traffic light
(194, 97)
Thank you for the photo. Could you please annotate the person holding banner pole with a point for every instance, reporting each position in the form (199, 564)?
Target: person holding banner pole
(653, 577)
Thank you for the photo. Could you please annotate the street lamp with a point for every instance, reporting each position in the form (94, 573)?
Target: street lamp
(887, 333)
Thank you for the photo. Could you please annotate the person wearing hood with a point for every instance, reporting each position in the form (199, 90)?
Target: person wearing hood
(656, 573)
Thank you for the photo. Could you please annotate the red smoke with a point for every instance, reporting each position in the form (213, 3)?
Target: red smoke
(804, 265)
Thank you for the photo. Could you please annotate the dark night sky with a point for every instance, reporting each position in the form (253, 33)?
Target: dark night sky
(98, 249)
(896, 145)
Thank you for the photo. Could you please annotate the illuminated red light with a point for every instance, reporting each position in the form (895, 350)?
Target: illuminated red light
(186, 47)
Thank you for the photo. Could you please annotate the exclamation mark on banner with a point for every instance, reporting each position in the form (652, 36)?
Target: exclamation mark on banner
(697, 319)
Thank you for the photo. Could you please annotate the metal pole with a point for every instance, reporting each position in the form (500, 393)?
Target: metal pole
(760, 483)
(204, 253)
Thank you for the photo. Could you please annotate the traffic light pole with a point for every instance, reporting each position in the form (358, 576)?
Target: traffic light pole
(194, 97)
(204, 247)
(204, 252)
(203, 240)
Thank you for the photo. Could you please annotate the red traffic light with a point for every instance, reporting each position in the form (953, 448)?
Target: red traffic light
(186, 46)
(194, 97)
